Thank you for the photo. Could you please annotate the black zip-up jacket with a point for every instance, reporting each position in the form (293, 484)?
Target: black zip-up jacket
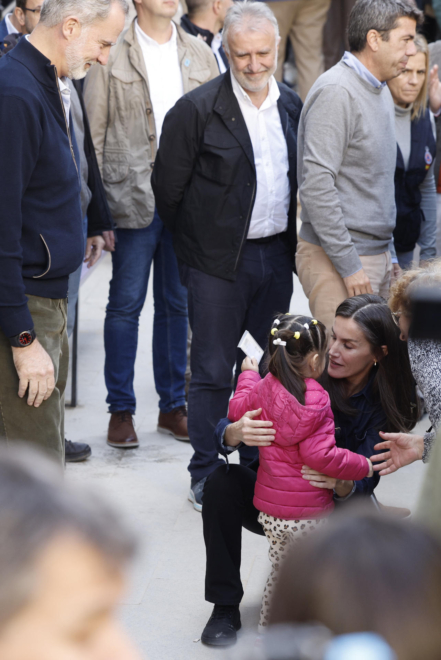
(204, 177)
(41, 232)
(99, 218)
(206, 35)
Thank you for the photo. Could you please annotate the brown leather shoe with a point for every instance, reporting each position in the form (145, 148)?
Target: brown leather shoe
(121, 432)
(174, 423)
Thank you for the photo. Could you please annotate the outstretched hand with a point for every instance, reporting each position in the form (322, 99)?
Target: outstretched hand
(404, 449)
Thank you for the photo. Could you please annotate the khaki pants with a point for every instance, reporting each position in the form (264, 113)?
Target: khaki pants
(302, 21)
(43, 426)
(324, 287)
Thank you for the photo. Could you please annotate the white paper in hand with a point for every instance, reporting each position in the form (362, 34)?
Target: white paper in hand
(250, 346)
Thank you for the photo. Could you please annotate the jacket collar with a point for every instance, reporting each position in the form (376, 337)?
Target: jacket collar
(227, 107)
(195, 30)
(37, 63)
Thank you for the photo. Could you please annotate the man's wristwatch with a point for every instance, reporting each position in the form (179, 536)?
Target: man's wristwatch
(24, 339)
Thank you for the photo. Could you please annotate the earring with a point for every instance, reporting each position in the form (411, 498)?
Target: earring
(375, 364)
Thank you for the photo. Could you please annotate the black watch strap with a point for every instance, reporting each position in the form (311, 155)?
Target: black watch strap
(24, 339)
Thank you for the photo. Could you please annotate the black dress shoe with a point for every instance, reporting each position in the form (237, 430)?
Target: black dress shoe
(222, 626)
(76, 451)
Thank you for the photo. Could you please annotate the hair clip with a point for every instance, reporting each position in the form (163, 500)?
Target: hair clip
(279, 342)
(273, 331)
(296, 335)
(314, 321)
(306, 325)
(276, 322)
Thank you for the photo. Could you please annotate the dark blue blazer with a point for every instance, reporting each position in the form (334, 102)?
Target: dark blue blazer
(3, 29)
(407, 183)
(41, 235)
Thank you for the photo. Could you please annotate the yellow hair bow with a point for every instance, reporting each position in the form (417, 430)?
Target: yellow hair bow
(297, 335)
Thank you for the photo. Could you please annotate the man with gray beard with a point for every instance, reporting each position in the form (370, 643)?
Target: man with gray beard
(225, 186)
(41, 234)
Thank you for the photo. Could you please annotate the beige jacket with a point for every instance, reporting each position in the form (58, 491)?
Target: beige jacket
(123, 124)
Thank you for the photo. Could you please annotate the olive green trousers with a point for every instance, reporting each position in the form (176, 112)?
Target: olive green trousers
(43, 426)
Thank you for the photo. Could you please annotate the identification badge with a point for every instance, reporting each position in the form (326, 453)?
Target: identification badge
(428, 157)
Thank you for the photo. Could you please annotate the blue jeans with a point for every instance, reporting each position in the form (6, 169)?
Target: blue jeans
(220, 311)
(135, 251)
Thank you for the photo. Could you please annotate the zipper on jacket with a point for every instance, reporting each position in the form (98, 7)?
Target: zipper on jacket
(247, 223)
(67, 125)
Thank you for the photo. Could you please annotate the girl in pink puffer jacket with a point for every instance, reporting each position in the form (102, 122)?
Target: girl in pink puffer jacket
(300, 410)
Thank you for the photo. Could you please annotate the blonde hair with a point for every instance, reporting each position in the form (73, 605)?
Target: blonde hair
(420, 103)
(410, 280)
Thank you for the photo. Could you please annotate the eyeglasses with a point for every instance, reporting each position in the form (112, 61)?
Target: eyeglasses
(34, 11)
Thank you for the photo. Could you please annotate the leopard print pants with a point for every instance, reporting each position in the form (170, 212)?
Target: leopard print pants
(281, 534)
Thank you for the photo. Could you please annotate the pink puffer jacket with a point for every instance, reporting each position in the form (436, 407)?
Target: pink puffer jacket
(305, 435)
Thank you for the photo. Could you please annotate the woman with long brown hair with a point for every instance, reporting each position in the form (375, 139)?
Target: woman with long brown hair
(371, 389)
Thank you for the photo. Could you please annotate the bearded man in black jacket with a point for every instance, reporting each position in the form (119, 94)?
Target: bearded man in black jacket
(225, 186)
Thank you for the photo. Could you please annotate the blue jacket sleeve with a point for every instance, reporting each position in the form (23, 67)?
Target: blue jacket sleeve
(367, 485)
(219, 434)
(19, 139)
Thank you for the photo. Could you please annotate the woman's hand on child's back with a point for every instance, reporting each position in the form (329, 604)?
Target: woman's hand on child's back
(252, 432)
(250, 364)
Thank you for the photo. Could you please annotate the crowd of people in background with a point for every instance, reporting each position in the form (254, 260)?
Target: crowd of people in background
(222, 151)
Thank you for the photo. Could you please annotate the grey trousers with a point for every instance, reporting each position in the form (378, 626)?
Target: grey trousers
(43, 426)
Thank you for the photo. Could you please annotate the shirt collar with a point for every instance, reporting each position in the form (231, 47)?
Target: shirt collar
(271, 99)
(151, 42)
(64, 87)
(355, 64)
(10, 28)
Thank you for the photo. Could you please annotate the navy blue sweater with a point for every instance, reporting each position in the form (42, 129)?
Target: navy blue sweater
(41, 239)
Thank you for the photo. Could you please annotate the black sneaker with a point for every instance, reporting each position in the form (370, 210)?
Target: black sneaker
(222, 626)
(76, 451)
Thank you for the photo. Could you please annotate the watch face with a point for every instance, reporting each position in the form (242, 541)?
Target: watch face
(25, 338)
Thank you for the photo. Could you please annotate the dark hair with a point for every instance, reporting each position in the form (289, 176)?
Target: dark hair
(393, 384)
(195, 6)
(301, 334)
(21, 4)
(379, 15)
(366, 572)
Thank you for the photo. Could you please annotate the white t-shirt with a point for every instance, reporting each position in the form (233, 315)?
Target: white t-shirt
(163, 72)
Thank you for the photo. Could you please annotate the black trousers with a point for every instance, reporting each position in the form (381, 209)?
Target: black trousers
(219, 312)
(228, 506)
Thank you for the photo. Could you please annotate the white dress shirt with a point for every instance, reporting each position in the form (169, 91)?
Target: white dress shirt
(164, 74)
(273, 193)
(65, 95)
(10, 28)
